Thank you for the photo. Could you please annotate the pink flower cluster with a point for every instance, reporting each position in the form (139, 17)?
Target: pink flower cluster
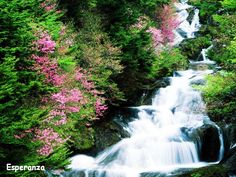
(100, 108)
(65, 96)
(43, 64)
(45, 44)
(50, 139)
(57, 114)
(49, 68)
(48, 5)
(67, 100)
(169, 22)
(157, 36)
(80, 75)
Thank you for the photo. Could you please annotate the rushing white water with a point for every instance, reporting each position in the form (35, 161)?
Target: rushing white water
(157, 142)
(162, 137)
(186, 29)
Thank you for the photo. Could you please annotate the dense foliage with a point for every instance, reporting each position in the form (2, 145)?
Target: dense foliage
(63, 64)
(220, 91)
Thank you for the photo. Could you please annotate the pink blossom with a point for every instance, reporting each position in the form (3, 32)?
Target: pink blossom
(48, 5)
(17, 136)
(49, 68)
(157, 36)
(100, 108)
(169, 22)
(45, 44)
(80, 76)
(62, 121)
(49, 139)
(65, 96)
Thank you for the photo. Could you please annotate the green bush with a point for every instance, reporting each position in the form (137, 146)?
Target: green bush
(220, 96)
(167, 62)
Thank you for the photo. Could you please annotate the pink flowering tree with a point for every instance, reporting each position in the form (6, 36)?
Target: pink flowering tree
(169, 22)
(75, 94)
(157, 36)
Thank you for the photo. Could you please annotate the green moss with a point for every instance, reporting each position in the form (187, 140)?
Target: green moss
(83, 138)
(210, 171)
(220, 96)
(192, 47)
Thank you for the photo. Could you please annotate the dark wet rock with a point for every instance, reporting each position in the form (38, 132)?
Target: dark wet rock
(80, 173)
(111, 130)
(201, 66)
(191, 15)
(210, 143)
(229, 160)
(151, 90)
(152, 174)
(229, 133)
(209, 171)
(182, 33)
(107, 134)
(198, 82)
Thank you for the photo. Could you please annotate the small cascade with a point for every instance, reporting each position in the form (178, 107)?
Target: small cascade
(203, 58)
(186, 29)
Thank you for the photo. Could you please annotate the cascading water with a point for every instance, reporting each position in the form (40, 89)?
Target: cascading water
(186, 28)
(162, 136)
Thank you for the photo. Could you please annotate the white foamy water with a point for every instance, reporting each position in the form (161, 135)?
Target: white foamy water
(157, 142)
(186, 29)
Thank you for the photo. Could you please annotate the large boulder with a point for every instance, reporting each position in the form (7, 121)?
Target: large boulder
(111, 131)
(210, 142)
(229, 160)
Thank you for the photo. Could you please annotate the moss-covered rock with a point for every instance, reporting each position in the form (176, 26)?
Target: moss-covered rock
(84, 139)
(192, 47)
(209, 171)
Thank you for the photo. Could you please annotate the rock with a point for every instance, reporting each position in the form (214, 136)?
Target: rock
(191, 15)
(151, 90)
(198, 82)
(229, 160)
(201, 66)
(111, 131)
(210, 143)
(209, 171)
(152, 174)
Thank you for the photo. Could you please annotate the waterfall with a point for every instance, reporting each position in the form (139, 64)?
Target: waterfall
(162, 135)
(186, 29)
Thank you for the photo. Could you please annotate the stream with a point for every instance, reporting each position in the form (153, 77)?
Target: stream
(163, 135)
